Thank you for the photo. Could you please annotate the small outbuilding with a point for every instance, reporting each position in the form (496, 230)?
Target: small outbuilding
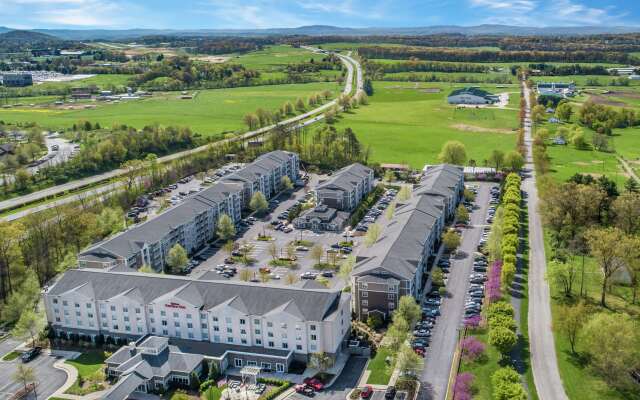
(472, 95)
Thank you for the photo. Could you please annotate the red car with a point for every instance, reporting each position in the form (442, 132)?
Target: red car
(419, 351)
(304, 389)
(314, 383)
(366, 392)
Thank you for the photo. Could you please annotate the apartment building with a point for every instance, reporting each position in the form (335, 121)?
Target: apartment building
(346, 187)
(193, 222)
(231, 323)
(397, 264)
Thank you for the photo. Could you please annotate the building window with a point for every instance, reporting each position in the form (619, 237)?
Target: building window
(392, 305)
(55, 301)
(299, 347)
(257, 331)
(139, 330)
(312, 327)
(190, 334)
(313, 347)
(391, 296)
(365, 294)
(242, 321)
(256, 321)
(365, 302)
(215, 319)
(230, 339)
(270, 344)
(88, 305)
(314, 337)
(164, 323)
(176, 324)
(77, 305)
(229, 330)
(243, 341)
(285, 345)
(237, 362)
(77, 313)
(125, 309)
(228, 320)
(216, 329)
(137, 310)
(188, 316)
(176, 315)
(203, 316)
(279, 367)
(283, 325)
(115, 327)
(165, 332)
(163, 313)
(113, 308)
(126, 319)
(189, 325)
(151, 311)
(269, 324)
(259, 342)
(203, 325)
(270, 334)
(216, 338)
(243, 332)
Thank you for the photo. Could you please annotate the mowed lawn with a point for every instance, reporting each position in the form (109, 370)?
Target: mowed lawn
(211, 112)
(407, 123)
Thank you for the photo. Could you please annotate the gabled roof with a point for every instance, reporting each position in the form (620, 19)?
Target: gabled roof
(472, 90)
(314, 305)
(346, 178)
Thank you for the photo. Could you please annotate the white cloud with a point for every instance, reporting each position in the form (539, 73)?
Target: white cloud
(506, 5)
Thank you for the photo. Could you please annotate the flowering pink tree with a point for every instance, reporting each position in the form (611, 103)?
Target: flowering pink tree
(493, 287)
(472, 322)
(462, 386)
(472, 348)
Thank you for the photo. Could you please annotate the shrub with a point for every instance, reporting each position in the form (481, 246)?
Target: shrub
(503, 339)
(506, 385)
(472, 348)
(494, 288)
(500, 307)
(502, 320)
(472, 322)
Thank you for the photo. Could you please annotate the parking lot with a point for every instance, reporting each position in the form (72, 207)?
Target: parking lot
(456, 305)
(49, 378)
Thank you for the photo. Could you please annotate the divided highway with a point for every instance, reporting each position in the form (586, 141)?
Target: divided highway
(302, 120)
(543, 352)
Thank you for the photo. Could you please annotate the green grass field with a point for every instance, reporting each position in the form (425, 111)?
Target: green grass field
(483, 368)
(101, 81)
(451, 75)
(405, 123)
(380, 371)
(274, 57)
(211, 112)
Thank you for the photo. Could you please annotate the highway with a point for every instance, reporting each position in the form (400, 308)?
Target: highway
(301, 120)
(543, 352)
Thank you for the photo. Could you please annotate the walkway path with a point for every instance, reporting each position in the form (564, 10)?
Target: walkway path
(543, 351)
(628, 169)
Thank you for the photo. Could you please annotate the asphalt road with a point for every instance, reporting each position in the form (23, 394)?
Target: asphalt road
(49, 378)
(543, 352)
(347, 380)
(439, 355)
(352, 67)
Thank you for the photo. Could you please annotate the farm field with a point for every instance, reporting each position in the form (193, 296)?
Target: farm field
(101, 81)
(274, 57)
(211, 112)
(407, 123)
(474, 76)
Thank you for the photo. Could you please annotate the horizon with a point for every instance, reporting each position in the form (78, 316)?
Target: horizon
(278, 14)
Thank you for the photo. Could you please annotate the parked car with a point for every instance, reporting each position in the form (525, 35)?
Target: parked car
(30, 354)
(314, 383)
(366, 392)
(304, 390)
(390, 393)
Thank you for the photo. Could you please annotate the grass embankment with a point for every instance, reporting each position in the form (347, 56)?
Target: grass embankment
(380, 371)
(211, 112)
(409, 122)
(12, 355)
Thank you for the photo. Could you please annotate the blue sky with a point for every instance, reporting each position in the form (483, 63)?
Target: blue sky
(191, 14)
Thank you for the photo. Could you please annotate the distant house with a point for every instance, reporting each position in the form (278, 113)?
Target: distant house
(554, 120)
(634, 77)
(623, 70)
(472, 95)
(17, 79)
(322, 218)
(559, 140)
(561, 89)
(79, 93)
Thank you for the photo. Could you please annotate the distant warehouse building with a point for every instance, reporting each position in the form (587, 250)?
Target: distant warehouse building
(560, 89)
(17, 79)
(472, 95)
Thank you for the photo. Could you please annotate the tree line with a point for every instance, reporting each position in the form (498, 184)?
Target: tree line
(470, 55)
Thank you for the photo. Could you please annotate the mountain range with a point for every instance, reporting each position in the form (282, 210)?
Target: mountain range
(327, 30)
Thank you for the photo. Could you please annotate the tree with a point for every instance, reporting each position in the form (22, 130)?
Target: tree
(613, 345)
(453, 152)
(604, 245)
(409, 309)
(513, 161)
(290, 278)
(451, 240)
(21, 180)
(570, 322)
(437, 276)
(496, 159)
(133, 170)
(291, 252)
(537, 113)
(391, 209)
(372, 235)
(320, 361)
(300, 105)
(177, 259)
(631, 185)
(24, 375)
(389, 176)
(564, 112)
(228, 247)
(146, 268)
(462, 215)
(316, 253)
(626, 209)
(630, 249)
(506, 385)
(409, 363)
(397, 333)
(226, 230)
(109, 221)
(563, 274)
(285, 183)
(273, 250)
(346, 268)
(245, 275)
(404, 193)
(10, 255)
(258, 203)
(503, 339)
(252, 121)
(29, 325)
(374, 321)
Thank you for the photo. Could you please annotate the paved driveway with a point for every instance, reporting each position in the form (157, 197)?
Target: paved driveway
(439, 356)
(343, 385)
(49, 378)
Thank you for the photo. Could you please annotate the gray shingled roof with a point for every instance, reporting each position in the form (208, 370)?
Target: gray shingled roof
(399, 248)
(314, 305)
(124, 387)
(346, 178)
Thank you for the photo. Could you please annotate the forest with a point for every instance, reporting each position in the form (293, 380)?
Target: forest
(466, 55)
